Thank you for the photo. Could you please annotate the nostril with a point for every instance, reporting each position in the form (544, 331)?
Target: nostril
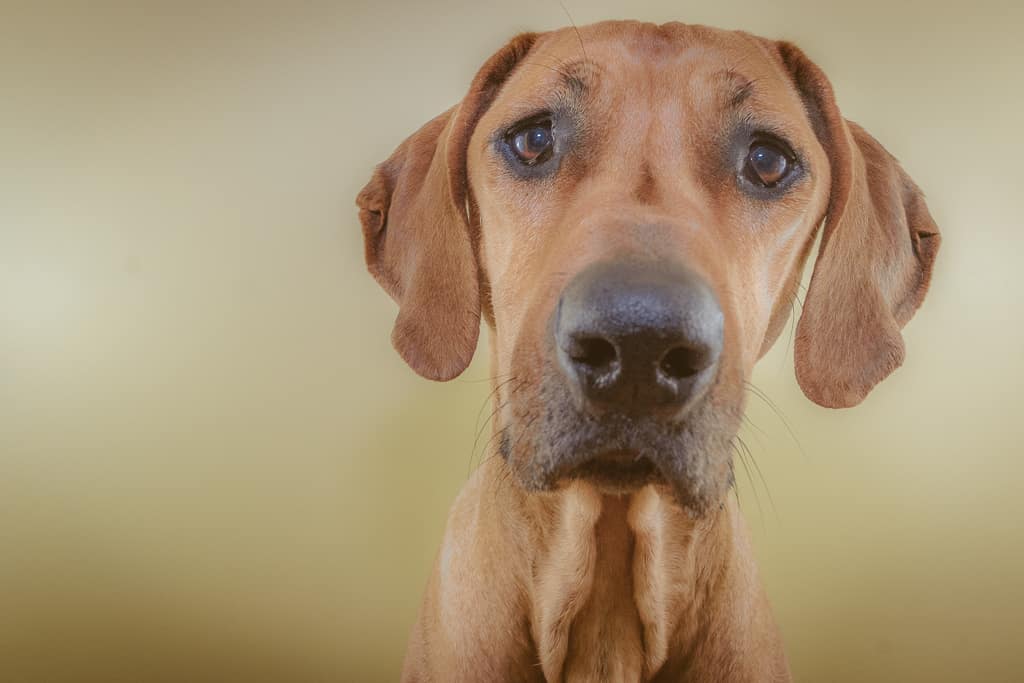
(682, 362)
(594, 352)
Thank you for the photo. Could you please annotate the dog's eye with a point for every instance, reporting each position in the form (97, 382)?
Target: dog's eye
(532, 143)
(767, 163)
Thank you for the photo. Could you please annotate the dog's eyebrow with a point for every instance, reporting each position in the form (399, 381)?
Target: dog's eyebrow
(575, 84)
(742, 89)
(576, 75)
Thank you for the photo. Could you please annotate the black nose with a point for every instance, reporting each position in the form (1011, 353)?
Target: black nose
(639, 337)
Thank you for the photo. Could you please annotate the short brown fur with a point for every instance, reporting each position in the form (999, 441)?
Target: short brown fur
(568, 582)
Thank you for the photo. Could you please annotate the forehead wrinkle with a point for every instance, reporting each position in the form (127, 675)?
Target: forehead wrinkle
(750, 100)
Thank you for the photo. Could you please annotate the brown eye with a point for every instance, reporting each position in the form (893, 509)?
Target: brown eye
(767, 164)
(532, 144)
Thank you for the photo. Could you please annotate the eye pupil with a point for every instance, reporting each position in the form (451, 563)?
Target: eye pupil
(767, 165)
(533, 144)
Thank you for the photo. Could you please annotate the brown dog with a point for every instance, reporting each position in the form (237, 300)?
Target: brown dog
(629, 207)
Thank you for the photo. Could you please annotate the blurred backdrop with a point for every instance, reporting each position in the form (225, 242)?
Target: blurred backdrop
(213, 467)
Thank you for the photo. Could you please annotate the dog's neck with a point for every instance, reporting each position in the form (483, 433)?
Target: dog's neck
(604, 601)
(623, 588)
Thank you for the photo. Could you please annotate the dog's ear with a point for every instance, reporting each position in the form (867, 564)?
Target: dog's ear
(875, 262)
(417, 233)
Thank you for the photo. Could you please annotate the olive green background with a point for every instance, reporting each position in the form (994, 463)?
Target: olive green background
(213, 467)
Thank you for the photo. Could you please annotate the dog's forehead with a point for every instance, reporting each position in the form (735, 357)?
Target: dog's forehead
(674, 61)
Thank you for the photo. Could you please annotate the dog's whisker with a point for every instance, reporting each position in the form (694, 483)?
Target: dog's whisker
(490, 395)
(753, 484)
(476, 440)
(498, 408)
(477, 427)
(760, 474)
(524, 429)
(799, 301)
(792, 327)
(576, 29)
(497, 434)
(506, 477)
(496, 453)
(491, 378)
(732, 478)
(539, 64)
(746, 418)
(778, 412)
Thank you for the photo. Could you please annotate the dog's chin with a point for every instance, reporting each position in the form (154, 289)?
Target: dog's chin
(616, 472)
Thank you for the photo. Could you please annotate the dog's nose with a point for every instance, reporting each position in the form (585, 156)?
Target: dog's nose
(639, 337)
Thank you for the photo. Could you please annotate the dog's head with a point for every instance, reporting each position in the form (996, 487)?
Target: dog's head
(629, 207)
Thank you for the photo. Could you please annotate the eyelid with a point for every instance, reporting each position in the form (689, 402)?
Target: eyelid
(533, 119)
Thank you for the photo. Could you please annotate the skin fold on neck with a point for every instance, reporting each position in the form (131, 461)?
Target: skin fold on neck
(610, 584)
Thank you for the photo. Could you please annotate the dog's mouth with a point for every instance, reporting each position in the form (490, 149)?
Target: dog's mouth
(556, 443)
(617, 471)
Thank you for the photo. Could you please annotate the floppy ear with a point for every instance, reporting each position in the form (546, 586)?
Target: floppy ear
(875, 262)
(417, 233)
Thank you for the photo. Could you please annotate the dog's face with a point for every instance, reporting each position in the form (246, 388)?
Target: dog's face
(630, 208)
(663, 159)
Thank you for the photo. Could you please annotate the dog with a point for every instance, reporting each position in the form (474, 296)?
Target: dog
(629, 207)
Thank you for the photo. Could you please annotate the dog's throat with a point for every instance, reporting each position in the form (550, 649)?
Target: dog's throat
(600, 589)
